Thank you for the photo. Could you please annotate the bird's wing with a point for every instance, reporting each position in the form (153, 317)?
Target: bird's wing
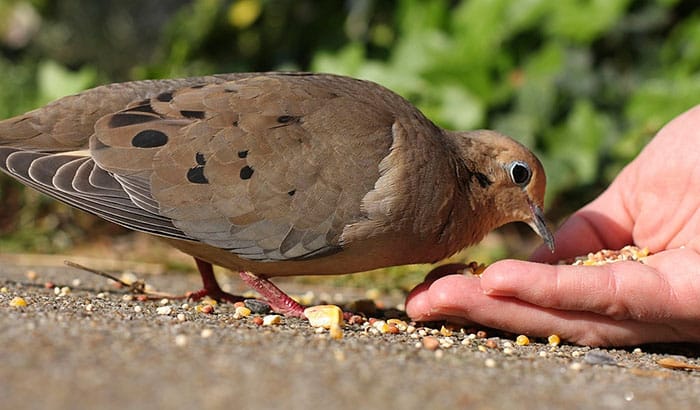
(269, 167)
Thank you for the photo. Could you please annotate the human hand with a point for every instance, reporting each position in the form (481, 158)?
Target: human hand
(653, 203)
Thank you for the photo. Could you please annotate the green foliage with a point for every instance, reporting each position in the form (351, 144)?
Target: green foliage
(583, 82)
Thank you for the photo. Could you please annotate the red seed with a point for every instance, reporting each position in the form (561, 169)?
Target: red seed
(431, 342)
(258, 320)
(356, 320)
(481, 334)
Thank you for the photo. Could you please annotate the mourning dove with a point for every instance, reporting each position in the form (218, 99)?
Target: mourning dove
(275, 174)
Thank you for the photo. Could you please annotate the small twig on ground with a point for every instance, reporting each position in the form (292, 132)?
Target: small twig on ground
(138, 287)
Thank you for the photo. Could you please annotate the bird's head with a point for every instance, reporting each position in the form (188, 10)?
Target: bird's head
(506, 177)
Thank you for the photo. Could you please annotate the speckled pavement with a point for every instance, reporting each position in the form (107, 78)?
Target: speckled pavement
(91, 348)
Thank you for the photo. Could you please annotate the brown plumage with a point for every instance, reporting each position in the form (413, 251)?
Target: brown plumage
(276, 173)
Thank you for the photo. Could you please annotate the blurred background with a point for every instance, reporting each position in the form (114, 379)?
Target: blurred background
(585, 83)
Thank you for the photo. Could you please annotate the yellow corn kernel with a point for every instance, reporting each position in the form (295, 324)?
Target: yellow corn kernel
(522, 340)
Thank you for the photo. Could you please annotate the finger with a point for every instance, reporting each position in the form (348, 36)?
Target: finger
(604, 223)
(622, 290)
(458, 296)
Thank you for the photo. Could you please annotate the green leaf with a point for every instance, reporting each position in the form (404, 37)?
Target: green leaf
(55, 81)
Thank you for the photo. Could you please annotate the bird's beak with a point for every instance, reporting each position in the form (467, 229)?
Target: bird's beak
(540, 226)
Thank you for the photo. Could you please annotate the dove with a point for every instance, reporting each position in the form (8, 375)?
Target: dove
(276, 174)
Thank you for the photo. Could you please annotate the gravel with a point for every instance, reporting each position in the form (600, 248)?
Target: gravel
(84, 344)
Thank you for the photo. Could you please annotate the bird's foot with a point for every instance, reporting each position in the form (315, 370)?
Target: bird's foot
(279, 301)
(211, 287)
(217, 294)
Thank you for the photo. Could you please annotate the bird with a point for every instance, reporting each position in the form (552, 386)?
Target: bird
(276, 173)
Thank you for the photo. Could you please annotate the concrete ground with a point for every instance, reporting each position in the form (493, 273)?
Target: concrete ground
(90, 348)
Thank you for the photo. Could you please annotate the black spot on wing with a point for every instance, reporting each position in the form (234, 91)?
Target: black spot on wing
(246, 172)
(165, 97)
(192, 114)
(128, 118)
(292, 192)
(149, 139)
(146, 107)
(242, 154)
(196, 175)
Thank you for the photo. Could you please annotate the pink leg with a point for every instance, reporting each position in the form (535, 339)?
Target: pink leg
(211, 286)
(278, 300)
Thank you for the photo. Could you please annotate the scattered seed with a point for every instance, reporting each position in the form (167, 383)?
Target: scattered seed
(324, 316)
(75, 282)
(356, 320)
(206, 333)
(554, 340)
(49, 285)
(445, 331)
(128, 278)
(31, 275)
(164, 310)
(481, 348)
(206, 309)
(431, 342)
(137, 309)
(481, 334)
(439, 354)
(508, 350)
(522, 340)
(336, 332)
(89, 307)
(270, 320)
(400, 324)
(490, 363)
(381, 325)
(241, 311)
(676, 364)
(258, 320)
(101, 295)
(128, 298)
(4, 290)
(181, 317)
(18, 302)
(164, 301)
(491, 344)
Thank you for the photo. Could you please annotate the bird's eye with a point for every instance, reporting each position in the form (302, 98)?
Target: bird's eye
(520, 173)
